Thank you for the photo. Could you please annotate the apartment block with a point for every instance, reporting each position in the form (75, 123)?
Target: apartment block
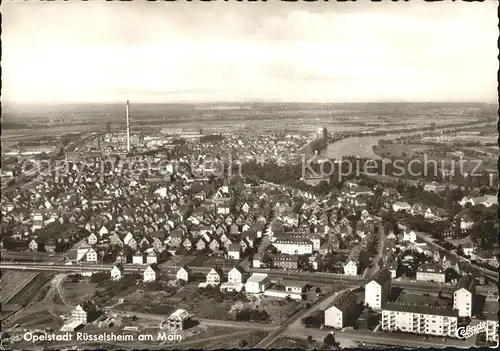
(338, 315)
(419, 319)
(378, 289)
(464, 295)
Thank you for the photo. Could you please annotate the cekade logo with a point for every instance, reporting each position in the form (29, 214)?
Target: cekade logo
(467, 332)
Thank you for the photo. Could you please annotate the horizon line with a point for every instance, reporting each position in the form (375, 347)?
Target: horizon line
(233, 102)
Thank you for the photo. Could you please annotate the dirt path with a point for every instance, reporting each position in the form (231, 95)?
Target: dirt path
(55, 287)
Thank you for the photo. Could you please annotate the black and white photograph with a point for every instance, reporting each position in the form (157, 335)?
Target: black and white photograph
(314, 175)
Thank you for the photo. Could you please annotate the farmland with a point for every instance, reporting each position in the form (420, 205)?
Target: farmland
(59, 119)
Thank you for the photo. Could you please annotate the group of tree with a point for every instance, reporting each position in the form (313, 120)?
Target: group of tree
(248, 314)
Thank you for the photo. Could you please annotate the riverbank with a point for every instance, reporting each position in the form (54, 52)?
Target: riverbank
(362, 145)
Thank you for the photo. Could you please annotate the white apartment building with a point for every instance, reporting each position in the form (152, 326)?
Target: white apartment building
(464, 295)
(492, 329)
(419, 319)
(351, 267)
(337, 316)
(235, 281)
(378, 289)
(293, 246)
(431, 272)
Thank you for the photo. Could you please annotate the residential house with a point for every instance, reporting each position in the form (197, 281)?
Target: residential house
(351, 267)
(90, 256)
(138, 258)
(214, 277)
(290, 262)
(256, 261)
(151, 257)
(92, 239)
(236, 276)
(151, 273)
(201, 244)
(84, 313)
(132, 243)
(223, 208)
(431, 272)
(144, 244)
(466, 222)
(401, 206)
(177, 321)
(187, 243)
(410, 236)
(293, 287)
(115, 240)
(214, 245)
(121, 258)
(33, 245)
(117, 272)
(103, 231)
(176, 237)
(158, 245)
(393, 268)
(184, 273)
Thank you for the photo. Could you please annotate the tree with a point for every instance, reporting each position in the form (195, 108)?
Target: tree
(309, 338)
(330, 340)
(318, 290)
(242, 343)
(267, 260)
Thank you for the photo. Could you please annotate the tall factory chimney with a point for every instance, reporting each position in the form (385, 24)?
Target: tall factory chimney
(128, 126)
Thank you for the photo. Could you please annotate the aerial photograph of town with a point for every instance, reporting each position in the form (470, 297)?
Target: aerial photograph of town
(235, 175)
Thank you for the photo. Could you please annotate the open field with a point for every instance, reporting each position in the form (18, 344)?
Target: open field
(178, 261)
(31, 256)
(77, 292)
(39, 320)
(12, 282)
(41, 315)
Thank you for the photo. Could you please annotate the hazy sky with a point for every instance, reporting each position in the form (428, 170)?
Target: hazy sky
(331, 52)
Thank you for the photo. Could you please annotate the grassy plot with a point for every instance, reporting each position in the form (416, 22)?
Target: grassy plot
(294, 343)
(35, 290)
(12, 282)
